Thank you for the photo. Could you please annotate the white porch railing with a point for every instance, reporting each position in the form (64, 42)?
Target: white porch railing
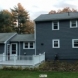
(22, 60)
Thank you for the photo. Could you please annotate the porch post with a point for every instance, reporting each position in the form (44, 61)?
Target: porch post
(4, 52)
(19, 50)
(15, 58)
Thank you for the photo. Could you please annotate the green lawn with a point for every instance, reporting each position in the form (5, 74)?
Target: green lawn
(35, 74)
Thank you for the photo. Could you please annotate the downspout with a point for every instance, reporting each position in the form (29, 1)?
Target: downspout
(4, 51)
(35, 37)
(19, 50)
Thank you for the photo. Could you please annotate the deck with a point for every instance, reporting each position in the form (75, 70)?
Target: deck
(31, 60)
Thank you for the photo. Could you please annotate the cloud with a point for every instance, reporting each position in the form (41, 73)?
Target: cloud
(66, 3)
(36, 14)
(63, 5)
(37, 7)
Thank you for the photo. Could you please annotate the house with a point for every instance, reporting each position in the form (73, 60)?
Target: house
(57, 35)
(18, 49)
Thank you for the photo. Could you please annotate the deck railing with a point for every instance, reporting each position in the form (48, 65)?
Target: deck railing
(22, 59)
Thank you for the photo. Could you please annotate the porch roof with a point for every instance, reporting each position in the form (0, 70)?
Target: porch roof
(4, 37)
(23, 37)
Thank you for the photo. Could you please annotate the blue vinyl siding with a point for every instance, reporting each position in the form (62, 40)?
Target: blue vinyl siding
(45, 34)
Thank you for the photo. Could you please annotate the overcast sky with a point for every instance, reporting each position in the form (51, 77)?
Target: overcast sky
(37, 7)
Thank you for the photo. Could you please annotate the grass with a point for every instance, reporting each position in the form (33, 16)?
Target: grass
(35, 74)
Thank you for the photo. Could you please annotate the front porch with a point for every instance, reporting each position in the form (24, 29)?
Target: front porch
(29, 60)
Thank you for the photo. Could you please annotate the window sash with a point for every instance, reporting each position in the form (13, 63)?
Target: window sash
(26, 45)
(55, 25)
(74, 43)
(56, 43)
(73, 23)
(31, 44)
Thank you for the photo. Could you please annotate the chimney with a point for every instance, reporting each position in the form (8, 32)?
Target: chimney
(68, 13)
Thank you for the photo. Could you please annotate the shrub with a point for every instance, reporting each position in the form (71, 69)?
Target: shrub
(59, 66)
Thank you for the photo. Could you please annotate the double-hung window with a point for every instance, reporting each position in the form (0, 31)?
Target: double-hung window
(28, 45)
(55, 25)
(74, 43)
(73, 24)
(55, 43)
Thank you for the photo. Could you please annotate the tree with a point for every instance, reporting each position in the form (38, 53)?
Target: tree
(66, 9)
(20, 15)
(5, 21)
(30, 27)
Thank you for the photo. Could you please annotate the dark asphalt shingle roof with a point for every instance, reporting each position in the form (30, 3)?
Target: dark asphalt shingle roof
(5, 36)
(23, 37)
(58, 16)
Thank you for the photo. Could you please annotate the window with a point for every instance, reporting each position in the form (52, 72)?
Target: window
(31, 44)
(74, 43)
(55, 25)
(28, 45)
(73, 24)
(55, 43)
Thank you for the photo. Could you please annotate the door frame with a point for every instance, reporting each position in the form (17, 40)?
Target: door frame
(11, 49)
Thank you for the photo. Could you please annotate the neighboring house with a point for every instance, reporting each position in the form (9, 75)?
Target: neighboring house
(57, 35)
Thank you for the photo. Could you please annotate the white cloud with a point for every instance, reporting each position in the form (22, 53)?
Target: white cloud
(37, 7)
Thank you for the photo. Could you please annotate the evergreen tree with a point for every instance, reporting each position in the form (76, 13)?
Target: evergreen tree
(21, 16)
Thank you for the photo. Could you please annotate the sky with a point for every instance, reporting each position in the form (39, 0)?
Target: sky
(38, 7)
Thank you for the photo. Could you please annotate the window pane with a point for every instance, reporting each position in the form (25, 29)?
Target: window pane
(73, 23)
(26, 45)
(55, 43)
(55, 27)
(13, 46)
(31, 44)
(76, 43)
(55, 24)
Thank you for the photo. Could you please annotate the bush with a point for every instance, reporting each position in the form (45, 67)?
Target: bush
(58, 66)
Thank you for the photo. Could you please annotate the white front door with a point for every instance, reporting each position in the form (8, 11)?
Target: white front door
(13, 51)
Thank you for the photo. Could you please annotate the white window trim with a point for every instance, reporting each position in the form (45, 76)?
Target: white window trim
(71, 24)
(73, 43)
(28, 45)
(53, 43)
(53, 26)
